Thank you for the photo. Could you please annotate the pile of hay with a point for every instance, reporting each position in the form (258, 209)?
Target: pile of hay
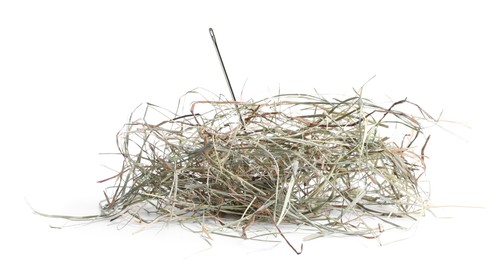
(335, 165)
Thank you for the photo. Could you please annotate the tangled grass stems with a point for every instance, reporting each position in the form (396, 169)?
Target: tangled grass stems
(338, 166)
(298, 159)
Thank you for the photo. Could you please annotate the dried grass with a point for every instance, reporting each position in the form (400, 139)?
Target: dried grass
(338, 166)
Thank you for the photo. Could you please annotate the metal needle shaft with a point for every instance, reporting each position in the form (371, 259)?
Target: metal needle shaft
(213, 37)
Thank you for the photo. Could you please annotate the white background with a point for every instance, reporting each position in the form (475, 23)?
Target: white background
(71, 72)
